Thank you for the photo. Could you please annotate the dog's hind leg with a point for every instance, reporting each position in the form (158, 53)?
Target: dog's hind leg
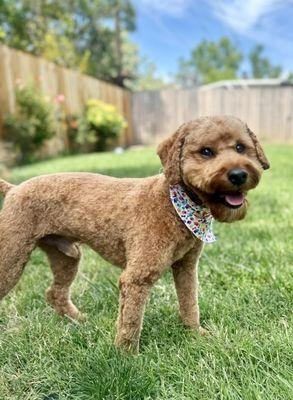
(16, 245)
(64, 257)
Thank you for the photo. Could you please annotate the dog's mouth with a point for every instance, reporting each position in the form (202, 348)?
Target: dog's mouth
(225, 205)
(230, 199)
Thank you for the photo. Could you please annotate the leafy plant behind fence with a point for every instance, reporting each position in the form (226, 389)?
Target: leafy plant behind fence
(95, 128)
(31, 125)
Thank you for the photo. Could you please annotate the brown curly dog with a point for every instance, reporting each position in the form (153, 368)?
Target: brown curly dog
(132, 222)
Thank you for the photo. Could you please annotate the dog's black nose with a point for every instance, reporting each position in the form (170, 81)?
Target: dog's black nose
(237, 176)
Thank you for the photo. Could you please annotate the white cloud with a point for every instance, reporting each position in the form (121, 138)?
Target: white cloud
(258, 20)
(242, 16)
(175, 8)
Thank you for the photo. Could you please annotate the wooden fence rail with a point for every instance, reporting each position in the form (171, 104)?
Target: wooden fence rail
(17, 66)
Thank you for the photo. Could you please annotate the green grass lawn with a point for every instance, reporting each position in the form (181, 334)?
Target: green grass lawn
(245, 300)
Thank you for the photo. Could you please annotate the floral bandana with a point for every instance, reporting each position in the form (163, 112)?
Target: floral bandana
(198, 219)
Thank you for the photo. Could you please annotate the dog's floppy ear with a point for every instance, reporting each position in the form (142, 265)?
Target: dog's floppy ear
(259, 150)
(169, 152)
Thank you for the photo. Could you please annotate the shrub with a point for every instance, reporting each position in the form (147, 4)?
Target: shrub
(32, 124)
(79, 138)
(100, 123)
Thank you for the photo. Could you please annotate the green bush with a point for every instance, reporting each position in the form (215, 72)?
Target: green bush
(32, 124)
(100, 123)
(80, 138)
(72, 130)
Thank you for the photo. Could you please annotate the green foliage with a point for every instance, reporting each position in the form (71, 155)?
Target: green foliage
(187, 75)
(2, 34)
(214, 61)
(92, 131)
(104, 27)
(103, 122)
(90, 36)
(31, 125)
(75, 144)
(146, 77)
(25, 23)
(245, 301)
(210, 62)
(261, 66)
(64, 32)
(61, 50)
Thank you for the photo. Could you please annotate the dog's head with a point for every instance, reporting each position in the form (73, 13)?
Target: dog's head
(219, 159)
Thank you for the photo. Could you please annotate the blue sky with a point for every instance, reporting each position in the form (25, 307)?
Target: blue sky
(169, 29)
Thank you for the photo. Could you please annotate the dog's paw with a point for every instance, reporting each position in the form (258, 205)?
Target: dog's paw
(202, 331)
(199, 330)
(75, 317)
(72, 312)
(127, 346)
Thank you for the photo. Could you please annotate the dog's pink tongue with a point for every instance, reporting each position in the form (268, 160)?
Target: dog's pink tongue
(235, 199)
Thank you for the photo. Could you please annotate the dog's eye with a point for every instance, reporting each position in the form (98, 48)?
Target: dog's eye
(207, 152)
(240, 148)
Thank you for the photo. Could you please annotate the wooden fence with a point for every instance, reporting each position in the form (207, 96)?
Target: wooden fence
(268, 110)
(16, 66)
(151, 115)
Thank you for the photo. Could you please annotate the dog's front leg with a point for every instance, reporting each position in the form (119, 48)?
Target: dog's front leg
(133, 297)
(135, 285)
(186, 283)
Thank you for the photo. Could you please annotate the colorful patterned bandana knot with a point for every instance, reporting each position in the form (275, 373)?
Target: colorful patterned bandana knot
(198, 219)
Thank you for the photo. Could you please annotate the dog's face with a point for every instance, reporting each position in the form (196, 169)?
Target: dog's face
(219, 159)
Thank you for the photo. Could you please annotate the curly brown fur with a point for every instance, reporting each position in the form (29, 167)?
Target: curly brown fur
(129, 222)
(208, 177)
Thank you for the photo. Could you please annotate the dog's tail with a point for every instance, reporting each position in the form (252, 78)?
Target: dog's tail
(4, 187)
